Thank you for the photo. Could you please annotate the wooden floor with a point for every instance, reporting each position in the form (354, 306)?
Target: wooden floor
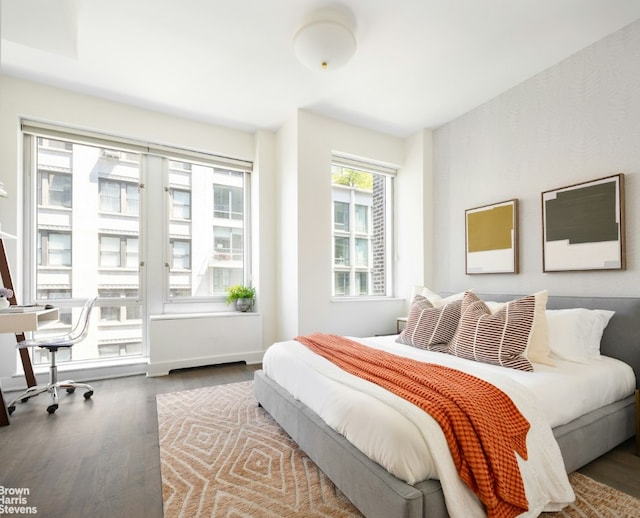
(100, 457)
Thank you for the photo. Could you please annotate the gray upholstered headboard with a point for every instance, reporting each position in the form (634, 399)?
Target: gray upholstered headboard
(621, 338)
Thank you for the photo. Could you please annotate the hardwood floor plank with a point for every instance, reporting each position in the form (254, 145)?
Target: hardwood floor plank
(101, 457)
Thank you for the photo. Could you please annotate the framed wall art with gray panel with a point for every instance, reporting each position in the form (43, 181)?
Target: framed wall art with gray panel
(583, 226)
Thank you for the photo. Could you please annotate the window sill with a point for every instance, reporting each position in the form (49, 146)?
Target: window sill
(366, 299)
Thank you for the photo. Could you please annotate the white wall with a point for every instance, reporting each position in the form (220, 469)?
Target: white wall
(307, 143)
(286, 202)
(20, 98)
(415, 215)
(579, 120)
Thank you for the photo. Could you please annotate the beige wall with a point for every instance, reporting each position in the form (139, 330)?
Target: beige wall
(579, 120)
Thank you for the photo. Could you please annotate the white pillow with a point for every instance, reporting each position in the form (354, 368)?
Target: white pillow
(575, 334)
(435, 298)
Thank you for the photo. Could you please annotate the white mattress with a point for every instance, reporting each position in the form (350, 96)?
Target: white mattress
(556, 396)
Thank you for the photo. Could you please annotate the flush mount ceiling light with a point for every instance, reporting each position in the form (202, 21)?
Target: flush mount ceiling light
(326, 42)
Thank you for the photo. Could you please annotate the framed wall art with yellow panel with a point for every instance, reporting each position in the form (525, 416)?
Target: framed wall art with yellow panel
(492, 238)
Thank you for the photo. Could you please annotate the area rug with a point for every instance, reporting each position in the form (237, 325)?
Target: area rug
(224, 456)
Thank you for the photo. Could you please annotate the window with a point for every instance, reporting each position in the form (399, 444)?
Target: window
(215, 241)
(341, 252)
(342, 283)
(180, 204)
(362, 252)
(118, 252)
(362, 194)
(119, 197)
(54, 248)
(86, 226)
(227, 200)
(85, 196)
(362, 219)
(180, 254)
(118, 306)
(341, 216)
(54, 189)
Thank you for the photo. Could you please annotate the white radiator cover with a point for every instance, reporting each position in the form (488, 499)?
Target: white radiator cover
(193, 340)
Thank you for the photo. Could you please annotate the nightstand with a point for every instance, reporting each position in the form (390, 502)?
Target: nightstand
(638, 422)
(401, 323)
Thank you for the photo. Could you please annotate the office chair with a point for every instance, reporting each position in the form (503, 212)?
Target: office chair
(52, 344)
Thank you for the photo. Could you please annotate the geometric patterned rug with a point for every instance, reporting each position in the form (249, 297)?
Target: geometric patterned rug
(224, 456)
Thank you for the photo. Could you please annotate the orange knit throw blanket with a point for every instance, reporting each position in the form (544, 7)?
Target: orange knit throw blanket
(480, 422)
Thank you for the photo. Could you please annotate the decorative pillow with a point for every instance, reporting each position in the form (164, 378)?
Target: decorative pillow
(429, 327)
(499, 338)
(538, 350)
(575, 334)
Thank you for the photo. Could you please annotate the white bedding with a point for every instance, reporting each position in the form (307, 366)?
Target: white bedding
(411, 445)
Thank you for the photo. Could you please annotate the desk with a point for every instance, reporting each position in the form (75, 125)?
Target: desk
(19, 323)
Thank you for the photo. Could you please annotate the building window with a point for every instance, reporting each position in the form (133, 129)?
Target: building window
(228, 200)
(362, 219)
(362, 283)
(180, 204)
(341, 251)
(362, 252)
(180, 254)
(119, 349)
(119, 197)
(120, 305)
(342, 283)
(341, 216)
(54, 189)
(118, 252)
(54, 248)
(362, 194)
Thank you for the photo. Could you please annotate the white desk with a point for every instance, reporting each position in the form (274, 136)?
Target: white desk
(19, 323)
(28, 321)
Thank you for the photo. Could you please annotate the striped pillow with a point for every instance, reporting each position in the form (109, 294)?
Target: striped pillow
(429, 327)
(500, 338)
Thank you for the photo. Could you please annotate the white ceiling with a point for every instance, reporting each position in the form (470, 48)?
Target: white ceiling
(418, 63)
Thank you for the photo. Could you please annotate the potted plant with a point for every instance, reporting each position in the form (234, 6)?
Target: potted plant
(5, 295)
(241, 296)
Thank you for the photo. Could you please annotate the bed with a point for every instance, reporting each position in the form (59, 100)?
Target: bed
(379, 493)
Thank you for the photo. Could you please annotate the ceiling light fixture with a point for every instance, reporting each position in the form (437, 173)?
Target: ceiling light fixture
(326, 42)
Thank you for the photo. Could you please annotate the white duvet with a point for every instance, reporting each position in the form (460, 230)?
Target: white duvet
(410, 444)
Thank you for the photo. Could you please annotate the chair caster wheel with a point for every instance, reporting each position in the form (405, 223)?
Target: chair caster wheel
(11, 409)
(52, 408)
(88, 394)
(71, 390)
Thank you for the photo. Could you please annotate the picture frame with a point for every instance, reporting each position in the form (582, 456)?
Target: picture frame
(491, 238)
(583, 226)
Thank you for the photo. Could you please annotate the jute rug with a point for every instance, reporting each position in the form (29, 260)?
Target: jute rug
(223, 456)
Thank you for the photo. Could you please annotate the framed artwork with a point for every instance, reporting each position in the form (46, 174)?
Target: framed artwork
(583, 226)
(492, 238)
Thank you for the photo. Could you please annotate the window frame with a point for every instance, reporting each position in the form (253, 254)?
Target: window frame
(354, 233)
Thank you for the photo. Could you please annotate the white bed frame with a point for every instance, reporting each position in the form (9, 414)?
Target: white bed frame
(378, 494)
